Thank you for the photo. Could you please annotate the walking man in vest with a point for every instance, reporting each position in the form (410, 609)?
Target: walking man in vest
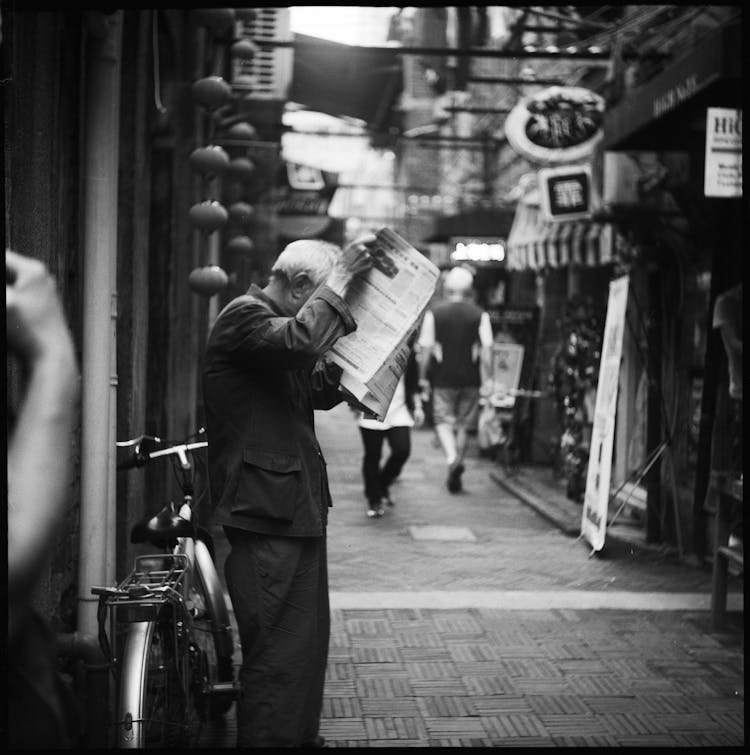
(456, 344)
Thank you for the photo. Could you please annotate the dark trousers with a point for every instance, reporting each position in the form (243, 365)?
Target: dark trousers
(377, 478)
(279, 592)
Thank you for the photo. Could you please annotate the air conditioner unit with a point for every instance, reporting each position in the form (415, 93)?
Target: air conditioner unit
(269, 74)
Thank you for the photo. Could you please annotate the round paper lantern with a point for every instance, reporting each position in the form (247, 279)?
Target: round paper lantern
(241, 168)
(208, 216)
(242, 130)
(211, 92)
(208, 280)
(211, 160)
(240, 244)
(241, 212)
(243, 49)
(215, 19)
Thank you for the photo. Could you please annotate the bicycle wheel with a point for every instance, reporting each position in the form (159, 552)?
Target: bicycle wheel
(212, 633)
(154, 709)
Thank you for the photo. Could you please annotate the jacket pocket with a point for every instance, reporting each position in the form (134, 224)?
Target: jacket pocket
(269, 484)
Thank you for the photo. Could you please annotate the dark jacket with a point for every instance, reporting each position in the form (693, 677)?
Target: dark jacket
(261, 382)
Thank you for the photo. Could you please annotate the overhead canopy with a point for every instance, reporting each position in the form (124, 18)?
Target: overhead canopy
(346, 80)
(536, 243)
(660, 113)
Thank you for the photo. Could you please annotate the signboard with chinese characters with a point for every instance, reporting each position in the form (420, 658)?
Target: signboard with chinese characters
(596, 497)
(565, 192)
(556, 125)
(723, 177)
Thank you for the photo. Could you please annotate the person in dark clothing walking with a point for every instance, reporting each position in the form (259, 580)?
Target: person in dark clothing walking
(404, 412)
(456, 347)
(264, 375)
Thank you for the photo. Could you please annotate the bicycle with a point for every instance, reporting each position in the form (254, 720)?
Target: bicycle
(172, 648)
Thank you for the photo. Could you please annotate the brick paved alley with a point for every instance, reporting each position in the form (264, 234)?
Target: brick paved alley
(470, 620)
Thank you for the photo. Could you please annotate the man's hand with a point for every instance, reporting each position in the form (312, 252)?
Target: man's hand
(354, 260)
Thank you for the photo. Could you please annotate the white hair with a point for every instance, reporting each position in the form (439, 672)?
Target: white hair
(313, 257)
(458, 280)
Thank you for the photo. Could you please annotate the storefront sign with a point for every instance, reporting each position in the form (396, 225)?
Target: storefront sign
(565, 192)
(302, 197)
(723, 177)
(556, 125)
(477, 249)
(680, 92)
(596, 497)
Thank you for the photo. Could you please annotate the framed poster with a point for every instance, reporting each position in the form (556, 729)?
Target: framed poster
(507, 360)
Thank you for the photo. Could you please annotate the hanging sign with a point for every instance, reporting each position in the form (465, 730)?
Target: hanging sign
(556, 125)
(302, 196)
(723, 177)
(565, 192)
(596, 497)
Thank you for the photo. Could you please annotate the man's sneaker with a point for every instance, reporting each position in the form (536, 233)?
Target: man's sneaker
(375, 509)
(454, 477)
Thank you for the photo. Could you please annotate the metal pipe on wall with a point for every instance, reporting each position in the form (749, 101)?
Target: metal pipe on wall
(101, 158)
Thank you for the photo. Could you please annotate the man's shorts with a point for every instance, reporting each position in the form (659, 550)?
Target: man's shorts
(455, 406)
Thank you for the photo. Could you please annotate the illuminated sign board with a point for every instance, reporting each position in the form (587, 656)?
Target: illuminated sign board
(477, 249)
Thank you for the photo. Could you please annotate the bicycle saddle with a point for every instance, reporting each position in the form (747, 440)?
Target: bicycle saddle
(164, 526)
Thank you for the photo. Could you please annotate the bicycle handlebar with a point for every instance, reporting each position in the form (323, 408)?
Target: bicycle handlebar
(141, 456)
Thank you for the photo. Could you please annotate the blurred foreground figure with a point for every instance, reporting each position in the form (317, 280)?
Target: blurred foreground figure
(262, 379)
(41, 710)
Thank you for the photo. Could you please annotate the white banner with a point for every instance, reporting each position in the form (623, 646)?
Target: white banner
(596, 498)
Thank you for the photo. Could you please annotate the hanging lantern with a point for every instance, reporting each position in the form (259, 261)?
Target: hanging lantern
(243, 49)
(240, 244)
(208, 216)
(210, 161)
(242, 130)
(241, 212)
(241, 168)
(208, 280)
(212, 92)
(215, 19)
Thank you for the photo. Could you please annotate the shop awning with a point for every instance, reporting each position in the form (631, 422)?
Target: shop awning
(654, 115)
(535, 243)
(346, 80)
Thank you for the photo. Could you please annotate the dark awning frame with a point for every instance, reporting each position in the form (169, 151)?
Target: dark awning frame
(710, 73)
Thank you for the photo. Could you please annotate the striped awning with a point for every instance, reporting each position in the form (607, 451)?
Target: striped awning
(535, 243)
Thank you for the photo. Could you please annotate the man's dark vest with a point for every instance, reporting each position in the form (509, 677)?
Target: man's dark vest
(457, 331)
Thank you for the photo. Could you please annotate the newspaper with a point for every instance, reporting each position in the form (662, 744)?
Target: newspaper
(387, 304)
